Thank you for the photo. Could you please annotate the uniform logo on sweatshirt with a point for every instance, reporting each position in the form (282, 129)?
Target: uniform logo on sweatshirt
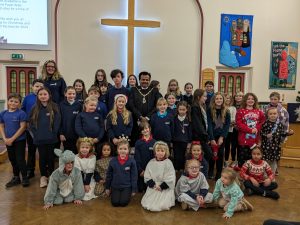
(53, 84)
(150, 148)
(96, 117)
(167, 123)
(127, 168)
(75, 112)
(47, 114)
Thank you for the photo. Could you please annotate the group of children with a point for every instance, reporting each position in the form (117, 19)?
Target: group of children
(188, 134)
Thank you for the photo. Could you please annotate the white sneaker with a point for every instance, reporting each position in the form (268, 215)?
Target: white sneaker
(43, 182)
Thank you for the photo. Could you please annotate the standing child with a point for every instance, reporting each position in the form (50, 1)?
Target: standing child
(229, 138)
(103, 93)
(199, 122)
(12, 130)
(44, 126)
(209, 88)
(89, 123)
(195, 152)
(258, 176)
(182, 136)
(65, 183)
(229, 195)
(101, 167)
(121, 177)
(101, 107)
(171, 100)
(69, 109)
(160, 179)
(143, 153)
(27, 105)
(162, 123)
(101, 79)
(173, 87)
(131, 81)
(188, 96)
(218, 118)
(119, 120)
(249, 119)
(81, 94)
(85, 161)
(272, 136)
(192, 187)
(117, 76)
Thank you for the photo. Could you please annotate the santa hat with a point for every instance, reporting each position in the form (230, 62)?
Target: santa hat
(121, 95)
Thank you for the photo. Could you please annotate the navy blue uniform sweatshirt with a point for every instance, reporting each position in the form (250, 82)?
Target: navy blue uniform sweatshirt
(43, 133)
(143, 153)
(182, 130)
(116, 131)
(112, 92)
(57, 88)
(217, 128)
(28, 103)
(89, 124)
(121, 176)
(162, 127)
(68, 116)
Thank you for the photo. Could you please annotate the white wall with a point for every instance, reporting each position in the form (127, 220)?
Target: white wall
(274, 20)
(171, 51)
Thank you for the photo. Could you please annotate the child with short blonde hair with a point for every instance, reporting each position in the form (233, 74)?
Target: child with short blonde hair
(229, 195)
(160, 179)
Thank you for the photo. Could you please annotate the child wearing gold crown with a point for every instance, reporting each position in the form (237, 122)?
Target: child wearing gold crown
(85, 161)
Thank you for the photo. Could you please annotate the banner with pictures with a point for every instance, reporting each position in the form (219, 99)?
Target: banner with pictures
(283, 65)
(235, 40)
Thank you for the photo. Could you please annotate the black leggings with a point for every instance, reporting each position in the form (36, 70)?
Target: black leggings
(46, 159)
(31, 152)
(243, 155)
(229, 147)
(179, 149)
(16, 155)
(280, 222)
(70, 144)
(120, 196)
(261, 189)
(218, 162)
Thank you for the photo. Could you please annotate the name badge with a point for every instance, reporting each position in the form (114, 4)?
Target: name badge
(127, 168)
(167, 123)
(96, 118)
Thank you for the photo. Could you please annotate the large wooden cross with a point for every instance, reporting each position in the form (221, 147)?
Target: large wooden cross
(131, 23)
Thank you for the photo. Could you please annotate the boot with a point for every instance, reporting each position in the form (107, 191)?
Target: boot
(13, 182)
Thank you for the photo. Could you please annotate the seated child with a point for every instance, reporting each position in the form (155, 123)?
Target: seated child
(65, 183)
(85, 161)
(195, 152)
(229, 195)
(254, 171)
(101, 168)
(160, 179)
(192, 188)
(121, 176)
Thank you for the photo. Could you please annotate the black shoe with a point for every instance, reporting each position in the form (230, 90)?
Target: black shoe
(272, 194)
(25, 182)
(30, 174)
(13, 182)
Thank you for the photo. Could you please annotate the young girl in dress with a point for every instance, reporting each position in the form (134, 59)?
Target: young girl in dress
(143, 152)
(229, 195)
(119, 120)
(101, 168)
(89, 123)
(162, 123)
(188, 96)
(81, 93)
(229, 138)
(121, 177)
(65, 183)
(172, 107)
(69, 109)
(218, 118)
(182, 135)
(160, 179)
(258, 176)
(173, 87)
(195, 152)
(249, 119)
(199, 122)
(44, 125)
(192, 187)
(85, 161)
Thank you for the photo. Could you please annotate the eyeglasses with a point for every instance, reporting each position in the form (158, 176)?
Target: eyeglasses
(194, 167)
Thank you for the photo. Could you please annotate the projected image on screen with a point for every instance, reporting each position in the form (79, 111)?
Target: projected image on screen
(23, 24)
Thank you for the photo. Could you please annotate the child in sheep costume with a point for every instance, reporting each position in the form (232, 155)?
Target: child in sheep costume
(65, 184)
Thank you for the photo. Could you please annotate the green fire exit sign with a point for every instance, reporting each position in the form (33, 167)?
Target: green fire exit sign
(17, 56)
